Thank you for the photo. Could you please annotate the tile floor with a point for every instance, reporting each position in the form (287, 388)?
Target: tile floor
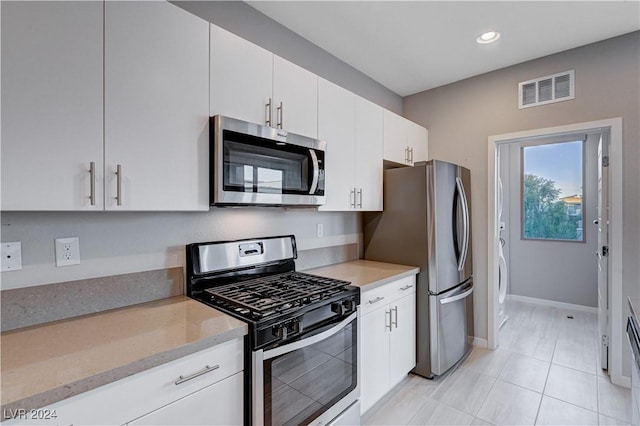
(545, 372)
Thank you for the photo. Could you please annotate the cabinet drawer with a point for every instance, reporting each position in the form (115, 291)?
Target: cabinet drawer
(380, 296)
(137, 395)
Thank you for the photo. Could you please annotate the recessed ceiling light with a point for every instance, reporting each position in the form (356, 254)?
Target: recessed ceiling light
(488, 37)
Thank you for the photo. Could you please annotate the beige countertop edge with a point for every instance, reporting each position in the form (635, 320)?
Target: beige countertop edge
(383, 281)
(366, 274)
(68, 390)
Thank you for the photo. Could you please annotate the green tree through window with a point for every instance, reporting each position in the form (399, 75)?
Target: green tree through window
(552, 205)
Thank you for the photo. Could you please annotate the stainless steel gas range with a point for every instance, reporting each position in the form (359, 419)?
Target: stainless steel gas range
(302, 348)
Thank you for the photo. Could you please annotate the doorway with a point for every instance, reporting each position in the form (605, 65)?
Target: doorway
(612, 129)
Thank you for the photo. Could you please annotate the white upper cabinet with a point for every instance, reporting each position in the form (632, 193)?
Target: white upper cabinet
(51, 105)
(252, 84)
(369, 151)
(241, 78)
(336, 126)
(156, 107)
(405, 142)
(295, 97)
(352, 128)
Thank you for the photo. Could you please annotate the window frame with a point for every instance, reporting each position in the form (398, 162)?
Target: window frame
(554, 141)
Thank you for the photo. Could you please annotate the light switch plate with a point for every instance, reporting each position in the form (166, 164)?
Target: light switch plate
(11, 256)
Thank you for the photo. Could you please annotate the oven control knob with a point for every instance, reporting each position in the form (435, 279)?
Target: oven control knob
(338, 308)
(282, 332)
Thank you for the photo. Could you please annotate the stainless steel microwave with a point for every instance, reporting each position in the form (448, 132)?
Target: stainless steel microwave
(252, 164)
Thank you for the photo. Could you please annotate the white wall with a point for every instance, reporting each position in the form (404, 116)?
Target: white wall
(461, 116)
(553, 270)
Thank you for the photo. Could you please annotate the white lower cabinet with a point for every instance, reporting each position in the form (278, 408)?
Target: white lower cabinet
(218, 404)
(388, 338)
(179, 392)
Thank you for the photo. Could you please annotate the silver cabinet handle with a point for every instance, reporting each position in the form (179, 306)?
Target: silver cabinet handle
(411, 155)
(280, 116)
(360, 197)
(205, 370)
(406, 154)
(387, 312)
(119, 184)
(268, 112)
(395, 309)
(92, 183)
(376, 300)
(407, 287)
(352, 198)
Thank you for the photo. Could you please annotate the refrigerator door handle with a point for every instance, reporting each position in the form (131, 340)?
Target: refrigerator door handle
(456, 297)
(465, 222)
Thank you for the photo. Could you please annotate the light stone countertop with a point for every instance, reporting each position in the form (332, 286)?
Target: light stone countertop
(47, 363)
(366, 274)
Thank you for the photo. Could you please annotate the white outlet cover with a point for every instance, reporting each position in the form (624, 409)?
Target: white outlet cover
(11, 256)
(67, 251)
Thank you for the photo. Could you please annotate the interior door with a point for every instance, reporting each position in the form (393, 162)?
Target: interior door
(602, 224)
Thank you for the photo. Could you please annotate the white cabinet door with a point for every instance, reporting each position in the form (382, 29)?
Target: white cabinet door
(417, 141)
(241, 78)
(374, 345)
(156, 107)
(395, 138)
(369, 151)
(218, 404)
(336, 126)
(402, 338)
(295, 96)
(51, 105)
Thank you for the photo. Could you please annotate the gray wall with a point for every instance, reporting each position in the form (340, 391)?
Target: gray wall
(461, 116)
(250, 24)
(552, 270)
(113, 243)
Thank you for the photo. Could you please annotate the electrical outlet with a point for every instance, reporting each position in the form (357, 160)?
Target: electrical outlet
(11, 256)
(67, 251)
(319, 230)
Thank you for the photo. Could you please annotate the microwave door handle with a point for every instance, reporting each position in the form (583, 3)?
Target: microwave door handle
(316, 172)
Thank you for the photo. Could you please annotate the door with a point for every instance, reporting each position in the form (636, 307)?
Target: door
(602, 224)
(374, 374)
(448, 218)
(295, 97)
(369, 148)
(450, 332)
(51, 105)
(241, 78)
(156, 114)
(402, 347)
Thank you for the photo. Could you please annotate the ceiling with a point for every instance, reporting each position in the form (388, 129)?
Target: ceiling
(411, 46)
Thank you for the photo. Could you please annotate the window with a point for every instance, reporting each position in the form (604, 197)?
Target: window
(552, 197)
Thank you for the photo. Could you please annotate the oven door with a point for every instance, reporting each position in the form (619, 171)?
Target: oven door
(259, 165)
(308, 381)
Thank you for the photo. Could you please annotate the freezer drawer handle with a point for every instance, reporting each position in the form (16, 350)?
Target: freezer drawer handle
(406, 287)
(205, 370)
(376, 300)
(456, 297)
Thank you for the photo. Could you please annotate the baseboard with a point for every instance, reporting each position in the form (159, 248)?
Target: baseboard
(552, 303)
(481, 343)
(623, 381)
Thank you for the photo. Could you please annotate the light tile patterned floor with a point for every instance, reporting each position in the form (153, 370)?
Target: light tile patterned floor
(545, 372)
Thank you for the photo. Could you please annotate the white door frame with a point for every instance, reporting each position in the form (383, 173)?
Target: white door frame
(614, 127)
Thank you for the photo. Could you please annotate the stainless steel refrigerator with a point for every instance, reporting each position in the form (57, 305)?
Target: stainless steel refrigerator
(426, 222)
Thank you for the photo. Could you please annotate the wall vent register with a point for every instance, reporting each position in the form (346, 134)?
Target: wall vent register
(545, 90)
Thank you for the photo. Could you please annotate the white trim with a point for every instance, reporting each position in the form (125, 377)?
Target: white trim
(614, 126)
(552, 303)
(480, 343)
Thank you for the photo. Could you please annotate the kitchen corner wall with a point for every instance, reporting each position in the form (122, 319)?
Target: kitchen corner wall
(114, 243)
(461, 116)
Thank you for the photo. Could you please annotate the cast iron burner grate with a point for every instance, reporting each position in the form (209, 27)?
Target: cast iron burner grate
(264, 296)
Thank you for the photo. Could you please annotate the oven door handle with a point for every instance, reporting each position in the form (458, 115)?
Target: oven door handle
(271, 353)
